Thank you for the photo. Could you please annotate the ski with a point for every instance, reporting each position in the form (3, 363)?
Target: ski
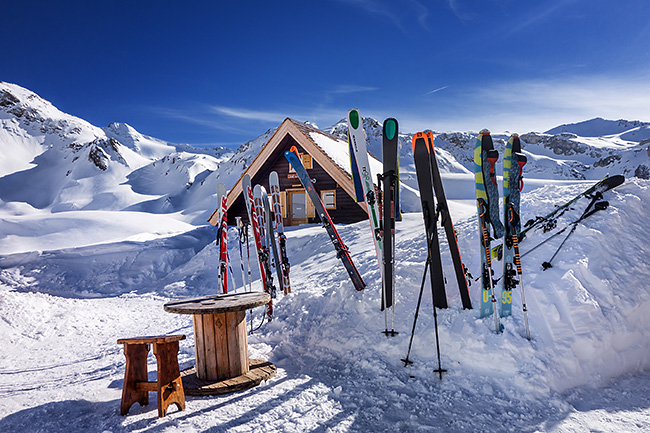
(222, 238)
(258, 194)
(425, 184)
(513, 183)
(390, 182)
(549, 221)
(274, 184)
(242, 235)
(272, 244)
(513, 163)
(487, 202)
(267, 286)
(341, 250)
(447, 223)
(223, 252)
(357, 142)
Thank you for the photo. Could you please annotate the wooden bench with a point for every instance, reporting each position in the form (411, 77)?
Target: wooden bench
(168, 382)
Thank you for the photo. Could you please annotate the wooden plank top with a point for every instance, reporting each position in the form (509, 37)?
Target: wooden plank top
(218, 303)
(149, 340)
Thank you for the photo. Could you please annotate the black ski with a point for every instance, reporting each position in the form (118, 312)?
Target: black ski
(447, 223)
(425, 184)
(390, 180)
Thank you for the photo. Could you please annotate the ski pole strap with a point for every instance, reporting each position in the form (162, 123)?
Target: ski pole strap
(521, 161)
(492, 157)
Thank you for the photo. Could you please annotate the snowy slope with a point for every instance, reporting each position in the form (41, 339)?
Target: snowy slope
(336, 372)
(57, 162)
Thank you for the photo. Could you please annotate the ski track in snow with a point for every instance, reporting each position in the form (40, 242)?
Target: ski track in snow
(586, 368)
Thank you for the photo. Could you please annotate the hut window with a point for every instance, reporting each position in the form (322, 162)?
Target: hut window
(329, 199)
(306, 160)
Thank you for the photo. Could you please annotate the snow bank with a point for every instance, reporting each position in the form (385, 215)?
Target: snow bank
(337, 372)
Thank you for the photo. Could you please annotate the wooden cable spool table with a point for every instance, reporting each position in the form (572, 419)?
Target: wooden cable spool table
(221, 343)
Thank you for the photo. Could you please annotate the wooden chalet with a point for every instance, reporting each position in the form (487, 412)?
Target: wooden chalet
(327, 161)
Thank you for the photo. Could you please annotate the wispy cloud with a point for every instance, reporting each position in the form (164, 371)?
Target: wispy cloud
(243, 113)
(393, 11)
(436, 90)
(537, 15)
(376, 7)
(459, 11)
(198, 117)
(345, 89)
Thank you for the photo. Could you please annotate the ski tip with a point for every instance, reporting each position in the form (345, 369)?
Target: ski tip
(418, 136)
(390, 128)
(294, 150)
(430, 142)
(616, 180)
(354, 118)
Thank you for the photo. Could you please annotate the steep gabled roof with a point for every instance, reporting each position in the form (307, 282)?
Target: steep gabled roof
(330, 152)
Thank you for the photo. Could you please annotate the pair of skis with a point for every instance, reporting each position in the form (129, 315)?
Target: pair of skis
(382, 207)
(548, 222)
(435, 210)
(342, 252)
(595, 205)
(487, 200)
(262, 220)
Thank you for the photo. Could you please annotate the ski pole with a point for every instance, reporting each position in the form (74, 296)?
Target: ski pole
(598, 206)
(406, 360)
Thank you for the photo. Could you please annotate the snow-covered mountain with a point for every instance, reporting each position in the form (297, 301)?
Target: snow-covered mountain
(585, 150)
(99, 230)
(56, 161)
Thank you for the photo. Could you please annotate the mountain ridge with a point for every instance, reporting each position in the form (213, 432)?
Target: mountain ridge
(122, 169)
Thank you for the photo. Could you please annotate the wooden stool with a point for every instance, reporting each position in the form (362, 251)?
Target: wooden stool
(168, 382)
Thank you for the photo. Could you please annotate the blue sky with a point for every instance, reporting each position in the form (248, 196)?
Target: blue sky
(224, 72)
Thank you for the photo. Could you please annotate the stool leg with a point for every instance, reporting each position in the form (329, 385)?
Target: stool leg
(136, 371)
(170, 385)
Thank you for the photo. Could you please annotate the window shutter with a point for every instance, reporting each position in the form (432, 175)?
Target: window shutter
(283, 203)
(309, 207)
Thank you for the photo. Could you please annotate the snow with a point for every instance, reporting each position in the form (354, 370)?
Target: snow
(100, 262)
(585, 365)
